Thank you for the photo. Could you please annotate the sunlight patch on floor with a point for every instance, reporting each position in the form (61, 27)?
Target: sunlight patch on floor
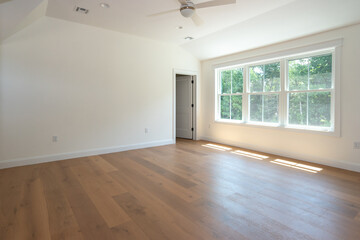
(217, 147)
(299, 166)
(250, 155)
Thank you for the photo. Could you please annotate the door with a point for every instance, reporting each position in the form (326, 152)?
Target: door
(184, 107)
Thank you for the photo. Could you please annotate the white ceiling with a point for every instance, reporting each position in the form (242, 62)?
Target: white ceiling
(297, 19)
(226, 29)
(17, 13)
(131, 16)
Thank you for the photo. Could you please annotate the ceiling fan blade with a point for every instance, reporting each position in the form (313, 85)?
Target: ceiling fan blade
(215, 3)
(4, 1)
(182, 2)
(161, 13)
(197, 19)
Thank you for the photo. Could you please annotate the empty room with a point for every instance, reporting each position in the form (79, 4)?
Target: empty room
(178, 119)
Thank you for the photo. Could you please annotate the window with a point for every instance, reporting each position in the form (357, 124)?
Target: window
(264, 92)
(296, 91)
(231, 91)
(310, 90)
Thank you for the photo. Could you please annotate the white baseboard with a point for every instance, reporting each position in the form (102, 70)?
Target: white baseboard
(91, 152)
(343, 165)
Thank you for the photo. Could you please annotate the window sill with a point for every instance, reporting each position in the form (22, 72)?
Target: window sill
(300, 129)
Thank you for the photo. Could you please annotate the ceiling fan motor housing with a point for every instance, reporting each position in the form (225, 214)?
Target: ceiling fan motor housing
(187, 10)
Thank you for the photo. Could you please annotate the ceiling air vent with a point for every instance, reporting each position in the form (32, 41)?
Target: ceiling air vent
(81, 10)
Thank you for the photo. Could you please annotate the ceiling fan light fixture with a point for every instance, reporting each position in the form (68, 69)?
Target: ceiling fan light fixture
(187, 10)
(104, 5)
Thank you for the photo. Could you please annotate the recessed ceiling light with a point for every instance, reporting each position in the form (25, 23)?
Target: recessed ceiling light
(179, 27)
(104, 5)
(189, 38)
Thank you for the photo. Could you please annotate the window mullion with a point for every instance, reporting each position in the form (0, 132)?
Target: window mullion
(262, 108)
(283, 95)
(262, 97)
(230, 106)
(231, 91)
(312, 90)
(246, 94)
(218, 110)
(307, 96)
(307, 109)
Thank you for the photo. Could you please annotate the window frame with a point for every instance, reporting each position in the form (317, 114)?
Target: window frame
(249, 93)
(219, 95)
(331, 47)
(331, 90)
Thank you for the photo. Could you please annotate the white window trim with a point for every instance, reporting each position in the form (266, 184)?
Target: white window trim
(333, 47)
(219, 95)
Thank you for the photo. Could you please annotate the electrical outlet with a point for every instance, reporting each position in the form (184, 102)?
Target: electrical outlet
(146, 130)
(356, 145)
(209, 125)
(55, 138)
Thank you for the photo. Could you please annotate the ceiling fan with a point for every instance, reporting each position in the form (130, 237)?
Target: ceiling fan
(188, 9)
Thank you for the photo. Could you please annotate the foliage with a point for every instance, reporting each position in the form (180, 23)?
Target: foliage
(263, 79)
(304, 108)
(231, 83)
(310, 108)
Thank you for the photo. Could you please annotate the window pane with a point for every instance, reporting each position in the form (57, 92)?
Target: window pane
(237, 80)
(312, 109)
(226, 81)
(236, 107)
(320, 72)
(256, 108)
(272, 77)
(320, 109)
(310, 73)
(265, 78)
(264, 108)
(271, 110)
(298, 74)
(298, 108)
(256, 78)
(225, 107)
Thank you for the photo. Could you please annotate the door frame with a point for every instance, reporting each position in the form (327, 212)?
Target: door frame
(195, 99)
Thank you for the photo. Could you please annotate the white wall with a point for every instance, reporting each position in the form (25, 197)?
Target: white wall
(335, 151)
(95, 89)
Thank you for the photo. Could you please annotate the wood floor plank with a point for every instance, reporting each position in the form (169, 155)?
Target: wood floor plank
(103, 164)
(195, 215)
(357, 218)
(180, 191)
(18, 203)
(91, 223)
(160, 170)
(106, 206)
(62, 221)
(129, 231)
(293, 221)
(150, 222)
(98, 178)
(184, 193)
(38, 213)
(266, 179)
(11, 186)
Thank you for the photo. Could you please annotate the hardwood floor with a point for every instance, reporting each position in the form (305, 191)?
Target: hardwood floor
(191, 190)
